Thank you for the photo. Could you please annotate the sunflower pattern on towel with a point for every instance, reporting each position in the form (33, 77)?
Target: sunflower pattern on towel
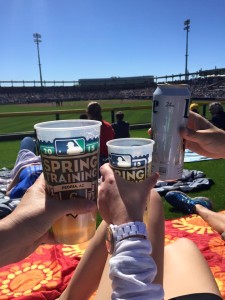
(47, 271)
(208, 241)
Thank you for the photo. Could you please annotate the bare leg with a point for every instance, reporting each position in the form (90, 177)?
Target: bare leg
(156, 235)
(88, 273)
(214, 219)
(186, 271)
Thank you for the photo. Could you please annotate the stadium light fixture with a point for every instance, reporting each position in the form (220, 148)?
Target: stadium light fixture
(37, 40)
(187, 28)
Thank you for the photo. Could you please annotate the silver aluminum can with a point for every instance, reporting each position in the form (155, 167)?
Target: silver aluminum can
(170, 111)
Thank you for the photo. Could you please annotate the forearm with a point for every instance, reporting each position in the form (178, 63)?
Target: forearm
(220, 145)
(132, 271)
(18, 239)
(10, 248)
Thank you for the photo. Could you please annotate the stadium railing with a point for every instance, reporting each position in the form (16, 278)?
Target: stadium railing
(58, 113)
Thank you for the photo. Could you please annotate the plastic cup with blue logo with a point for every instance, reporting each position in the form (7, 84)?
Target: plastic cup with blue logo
(131, 158)
(69, 152)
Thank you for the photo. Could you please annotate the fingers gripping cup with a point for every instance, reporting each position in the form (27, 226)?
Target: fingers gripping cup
(70, 154)
(131, 158)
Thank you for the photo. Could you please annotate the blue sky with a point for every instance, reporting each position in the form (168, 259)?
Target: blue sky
(104, 38)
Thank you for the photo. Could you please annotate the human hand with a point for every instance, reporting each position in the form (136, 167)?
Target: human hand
(28, 225)
(121, 201)
(203, 137)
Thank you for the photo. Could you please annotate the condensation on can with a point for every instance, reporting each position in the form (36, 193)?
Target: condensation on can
(170, 111)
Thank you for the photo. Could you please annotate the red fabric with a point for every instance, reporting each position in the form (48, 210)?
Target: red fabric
(208, 241)
(42, 275)
(107, 134)
(46, 273)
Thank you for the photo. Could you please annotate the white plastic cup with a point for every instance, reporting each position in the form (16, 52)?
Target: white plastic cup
(131, 159)
(69, 151)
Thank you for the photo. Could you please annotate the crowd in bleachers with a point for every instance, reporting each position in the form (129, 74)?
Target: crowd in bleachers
(70, 94)
(210, 87)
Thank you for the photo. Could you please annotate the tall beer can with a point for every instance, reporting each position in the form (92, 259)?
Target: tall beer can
(170, 112)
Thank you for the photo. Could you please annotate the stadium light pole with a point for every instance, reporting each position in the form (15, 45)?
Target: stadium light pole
(187, 28)
(37, 40)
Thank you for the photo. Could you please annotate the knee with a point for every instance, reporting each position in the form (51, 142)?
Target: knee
(180, 245)
(28, 143)
(184, 242)
(27, 139)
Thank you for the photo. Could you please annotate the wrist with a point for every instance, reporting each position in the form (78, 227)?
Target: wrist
(117, 233)
(123, 217)
(123, 221)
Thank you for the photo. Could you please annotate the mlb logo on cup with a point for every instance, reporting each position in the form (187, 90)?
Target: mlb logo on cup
(127, 161)
(65, 147)
(118, 160)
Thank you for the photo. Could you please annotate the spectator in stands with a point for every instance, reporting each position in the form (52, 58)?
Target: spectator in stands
(94, 112)
(218, 115)
(194, 107)
(121, 127)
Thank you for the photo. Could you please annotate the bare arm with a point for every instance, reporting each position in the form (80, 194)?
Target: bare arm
(88, 273)
(28, 225)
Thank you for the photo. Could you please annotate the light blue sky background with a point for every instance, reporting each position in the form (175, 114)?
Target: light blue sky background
(104, 38)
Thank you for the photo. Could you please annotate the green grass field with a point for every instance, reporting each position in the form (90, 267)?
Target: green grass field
(213, 169)
(18, 124)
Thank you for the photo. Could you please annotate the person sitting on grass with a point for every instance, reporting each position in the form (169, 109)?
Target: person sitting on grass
(139, 269)
(120, 203)
(203, 137)
(201, 206)
(94, 112)
(26, 170)
(121, 127)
